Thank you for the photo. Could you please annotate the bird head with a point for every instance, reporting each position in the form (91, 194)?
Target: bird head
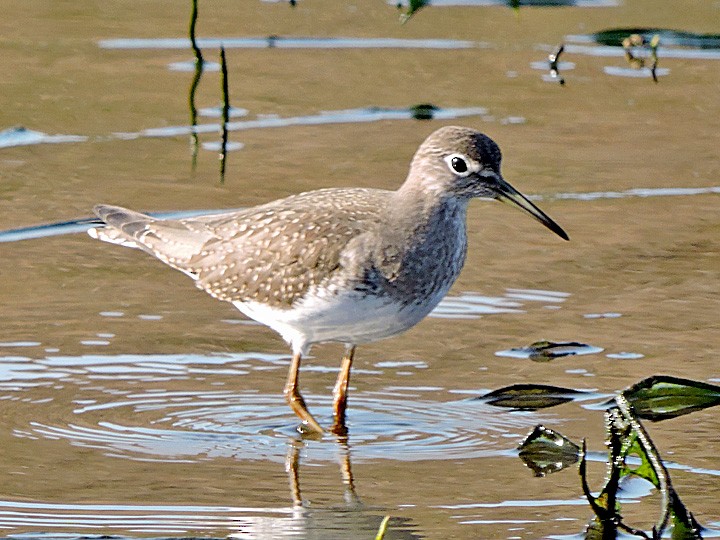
(464, 163)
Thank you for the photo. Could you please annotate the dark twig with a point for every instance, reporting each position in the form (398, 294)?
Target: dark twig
(225, 112)
(654, 42)
(600, 512)
(199, 65)
(553, 59)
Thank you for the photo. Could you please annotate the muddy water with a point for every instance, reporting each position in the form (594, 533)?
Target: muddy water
(134, 404)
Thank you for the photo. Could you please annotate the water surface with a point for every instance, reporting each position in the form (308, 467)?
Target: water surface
(135, 405)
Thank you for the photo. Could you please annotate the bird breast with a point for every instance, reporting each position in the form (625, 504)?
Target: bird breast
(414, 266)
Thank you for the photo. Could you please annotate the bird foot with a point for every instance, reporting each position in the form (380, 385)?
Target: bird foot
(297, 404)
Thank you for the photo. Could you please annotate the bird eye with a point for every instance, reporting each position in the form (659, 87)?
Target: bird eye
(458, 164)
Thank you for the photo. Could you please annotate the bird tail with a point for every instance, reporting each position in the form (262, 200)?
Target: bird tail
(121, 226)
(174, 242)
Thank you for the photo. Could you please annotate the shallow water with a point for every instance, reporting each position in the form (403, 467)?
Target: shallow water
(135, 405)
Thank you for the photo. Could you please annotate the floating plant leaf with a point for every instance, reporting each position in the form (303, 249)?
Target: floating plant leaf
(661, 397)
(423, 111)
(615, 36)
(517, 4)
(413, 6)
(546, 451)
(544, 351)
(530, 396)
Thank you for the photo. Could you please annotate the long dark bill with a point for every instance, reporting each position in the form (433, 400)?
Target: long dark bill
(508, 194)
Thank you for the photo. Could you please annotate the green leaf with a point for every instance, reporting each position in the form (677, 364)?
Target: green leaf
(661, 397)
(545, 451)
(413, 7)
(685, 527)
(530, 396)
(645, 470)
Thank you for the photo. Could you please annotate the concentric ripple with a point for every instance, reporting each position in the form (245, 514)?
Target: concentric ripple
(187, 427)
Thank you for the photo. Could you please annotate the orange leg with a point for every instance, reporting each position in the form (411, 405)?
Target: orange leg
(340, 392)
(295, 400)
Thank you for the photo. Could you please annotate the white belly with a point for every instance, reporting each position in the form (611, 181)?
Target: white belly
(346, 318)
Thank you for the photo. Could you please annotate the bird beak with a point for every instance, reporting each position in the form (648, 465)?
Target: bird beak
(508, 194)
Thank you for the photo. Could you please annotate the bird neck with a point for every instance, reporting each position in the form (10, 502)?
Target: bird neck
(422, 234)
(417, 207)
(417, 217)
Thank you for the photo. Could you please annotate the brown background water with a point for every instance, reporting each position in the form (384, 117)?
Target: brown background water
(96, 411)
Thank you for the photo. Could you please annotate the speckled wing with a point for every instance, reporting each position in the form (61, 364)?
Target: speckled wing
(271, 253)
(275, 252)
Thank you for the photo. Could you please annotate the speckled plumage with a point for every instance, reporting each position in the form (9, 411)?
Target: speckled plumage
(343, 264)
(271, 253)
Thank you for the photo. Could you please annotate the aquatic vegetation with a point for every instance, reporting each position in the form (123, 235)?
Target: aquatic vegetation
(413, 6)
(638, 62)
(546, 451)
(616, 37)
(198, 68)
(530, 396)
(661, 397)
(553, 59)
(656, 398)
(383, 528)
(225, 113)
(544, 351)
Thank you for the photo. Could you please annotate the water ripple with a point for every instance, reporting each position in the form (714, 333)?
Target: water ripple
(470, 305)
(193, 426)
(279, 42)
(292, 521)
(20, 136)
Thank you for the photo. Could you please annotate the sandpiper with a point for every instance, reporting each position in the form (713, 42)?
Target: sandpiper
(348, 265)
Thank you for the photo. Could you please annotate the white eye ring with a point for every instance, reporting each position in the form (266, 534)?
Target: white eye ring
(460, 165)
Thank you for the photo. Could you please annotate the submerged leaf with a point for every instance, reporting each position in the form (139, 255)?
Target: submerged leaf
(544, 351)
(614, 37)
(546, 451)
(661, 397)
(530, 396)
(423, 111)
(413, 7)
